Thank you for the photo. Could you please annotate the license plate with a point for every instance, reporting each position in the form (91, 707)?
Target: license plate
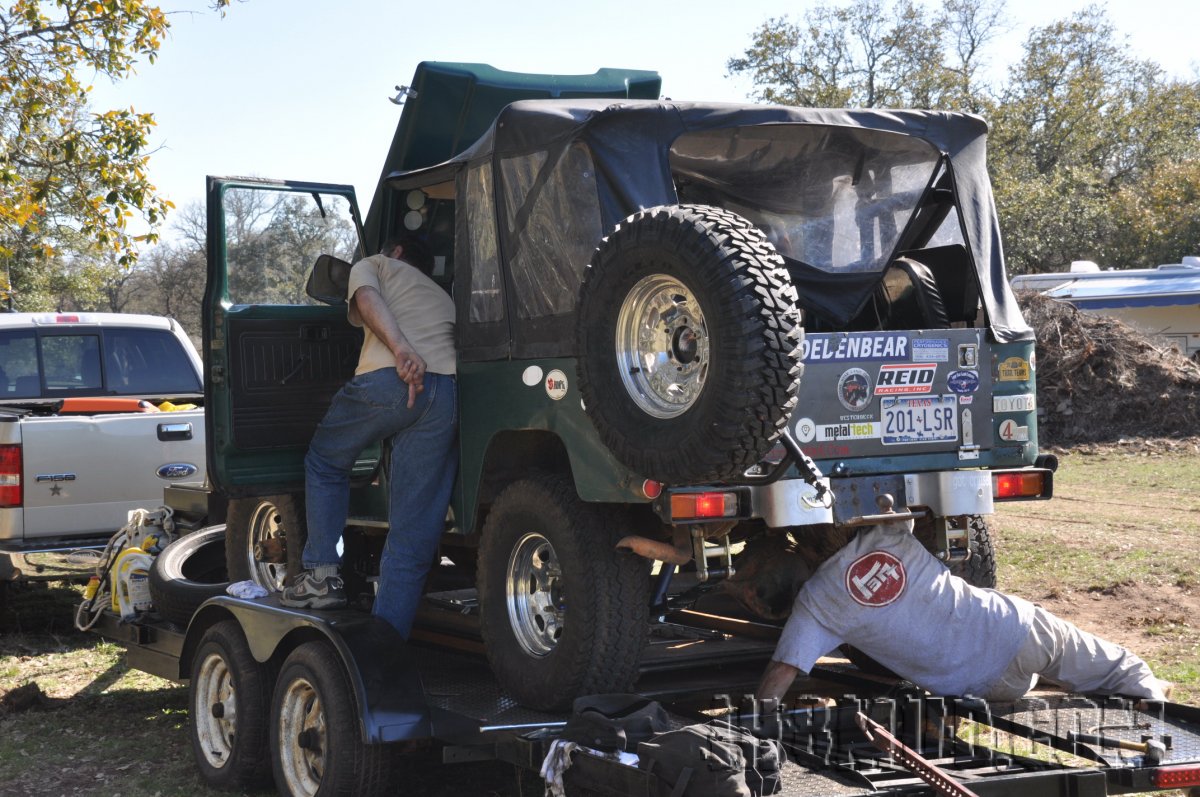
(924, 419)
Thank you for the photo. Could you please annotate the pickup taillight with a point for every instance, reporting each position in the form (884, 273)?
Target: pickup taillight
(10, 476)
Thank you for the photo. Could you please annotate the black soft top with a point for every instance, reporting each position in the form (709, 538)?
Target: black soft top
(630, 141)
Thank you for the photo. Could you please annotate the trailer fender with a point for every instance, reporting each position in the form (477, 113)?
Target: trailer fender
(378, 663)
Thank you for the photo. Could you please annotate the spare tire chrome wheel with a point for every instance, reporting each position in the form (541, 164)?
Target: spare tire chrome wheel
(688, 333)
(535, 595)
(662, 344)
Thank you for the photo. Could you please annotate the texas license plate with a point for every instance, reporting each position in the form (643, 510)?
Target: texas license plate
(919, 419)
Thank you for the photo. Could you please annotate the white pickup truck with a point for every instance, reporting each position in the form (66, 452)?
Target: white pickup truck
(84, 437)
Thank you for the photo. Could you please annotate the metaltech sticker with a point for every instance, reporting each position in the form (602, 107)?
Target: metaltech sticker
(884, 347)
(905, 379)
(876, 579)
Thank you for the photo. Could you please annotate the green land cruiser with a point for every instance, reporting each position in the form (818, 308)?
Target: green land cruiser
(681, 327)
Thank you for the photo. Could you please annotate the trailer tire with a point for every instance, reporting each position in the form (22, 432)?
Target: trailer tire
(270, 518)
(316, 745)
(563, 613)
(979, 569)
(188, 572)
(229, 743)
(689, 338)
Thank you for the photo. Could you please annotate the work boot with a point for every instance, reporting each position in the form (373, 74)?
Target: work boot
(318, 588)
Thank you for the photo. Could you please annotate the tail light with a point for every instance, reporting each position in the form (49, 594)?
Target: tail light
(703, 506)
(10, 475)
(1176, 777)
(1031, 483)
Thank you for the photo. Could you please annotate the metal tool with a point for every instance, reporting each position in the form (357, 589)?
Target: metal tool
(937, 778)
(1152, 751)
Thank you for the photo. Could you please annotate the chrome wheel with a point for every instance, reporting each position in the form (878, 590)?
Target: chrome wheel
(303, 741)
(662, 345)
(266, 533)
(215, 710)
(534, 593)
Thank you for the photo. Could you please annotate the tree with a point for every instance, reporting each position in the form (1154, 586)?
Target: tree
(1093, 152)
(71, 176)
(1082, 129)
(873, 54)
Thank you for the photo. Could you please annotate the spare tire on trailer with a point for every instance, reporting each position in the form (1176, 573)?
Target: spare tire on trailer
(188, 572)
(689, 338)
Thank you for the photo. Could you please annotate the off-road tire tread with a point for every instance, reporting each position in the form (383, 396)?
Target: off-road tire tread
(250, 766)
(750, 307)
(603, 638)
(979, 570)
(174, 596)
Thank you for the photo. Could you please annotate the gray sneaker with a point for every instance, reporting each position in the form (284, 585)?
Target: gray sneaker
(310, 591)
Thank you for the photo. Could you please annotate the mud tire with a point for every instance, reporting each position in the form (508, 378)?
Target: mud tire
(740, 370)
(539, 531)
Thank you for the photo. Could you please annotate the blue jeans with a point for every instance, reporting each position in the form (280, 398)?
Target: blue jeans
(369, 408)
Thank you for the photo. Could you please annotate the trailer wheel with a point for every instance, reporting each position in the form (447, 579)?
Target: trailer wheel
(689, 338)
(229, 701)
(979, 570)
(188, 572)
(266, 539)
(563, 613)
(316, 744)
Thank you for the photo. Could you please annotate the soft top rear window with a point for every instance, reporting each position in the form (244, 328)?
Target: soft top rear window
(834, 198)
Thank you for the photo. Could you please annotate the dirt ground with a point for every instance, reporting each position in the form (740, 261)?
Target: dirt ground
(1116, 551)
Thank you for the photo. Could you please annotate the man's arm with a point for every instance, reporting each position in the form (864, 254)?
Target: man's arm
(375, 314)
(776, 680)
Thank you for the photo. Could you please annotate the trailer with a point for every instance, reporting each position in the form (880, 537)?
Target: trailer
(335, 700)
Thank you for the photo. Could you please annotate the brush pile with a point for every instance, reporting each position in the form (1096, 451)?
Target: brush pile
(1100, 380)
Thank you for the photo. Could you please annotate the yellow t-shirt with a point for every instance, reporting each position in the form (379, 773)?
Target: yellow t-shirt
(422, 309)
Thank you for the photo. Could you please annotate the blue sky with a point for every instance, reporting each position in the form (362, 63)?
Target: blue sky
(299, 89)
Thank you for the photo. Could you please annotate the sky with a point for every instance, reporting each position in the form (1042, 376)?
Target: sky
(299, 89)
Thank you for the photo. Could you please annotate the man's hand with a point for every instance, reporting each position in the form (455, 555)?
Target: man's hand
(411, 368)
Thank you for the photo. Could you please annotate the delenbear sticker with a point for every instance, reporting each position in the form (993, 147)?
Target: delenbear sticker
(876, 579)
(556, 384)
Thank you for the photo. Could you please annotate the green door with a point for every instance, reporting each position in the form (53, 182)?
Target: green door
(273, 356)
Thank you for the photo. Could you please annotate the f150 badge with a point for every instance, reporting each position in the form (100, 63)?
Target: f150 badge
(176, 470)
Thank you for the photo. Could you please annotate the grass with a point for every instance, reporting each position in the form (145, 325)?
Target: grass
(1117, 551)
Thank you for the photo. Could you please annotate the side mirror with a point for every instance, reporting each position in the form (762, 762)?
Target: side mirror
(329, 280)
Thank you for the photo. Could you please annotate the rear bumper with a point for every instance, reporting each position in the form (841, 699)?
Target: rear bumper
(789, 502)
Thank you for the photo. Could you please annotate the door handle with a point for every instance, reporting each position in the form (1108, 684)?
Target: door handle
(174, 431)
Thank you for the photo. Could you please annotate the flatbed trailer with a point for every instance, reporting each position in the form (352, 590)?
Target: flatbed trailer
(439, 687)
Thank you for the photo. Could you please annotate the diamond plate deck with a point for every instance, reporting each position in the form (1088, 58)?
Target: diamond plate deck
(1049, 718)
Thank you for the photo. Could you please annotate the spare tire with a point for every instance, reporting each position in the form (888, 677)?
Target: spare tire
(689, 339)
(188, 572)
